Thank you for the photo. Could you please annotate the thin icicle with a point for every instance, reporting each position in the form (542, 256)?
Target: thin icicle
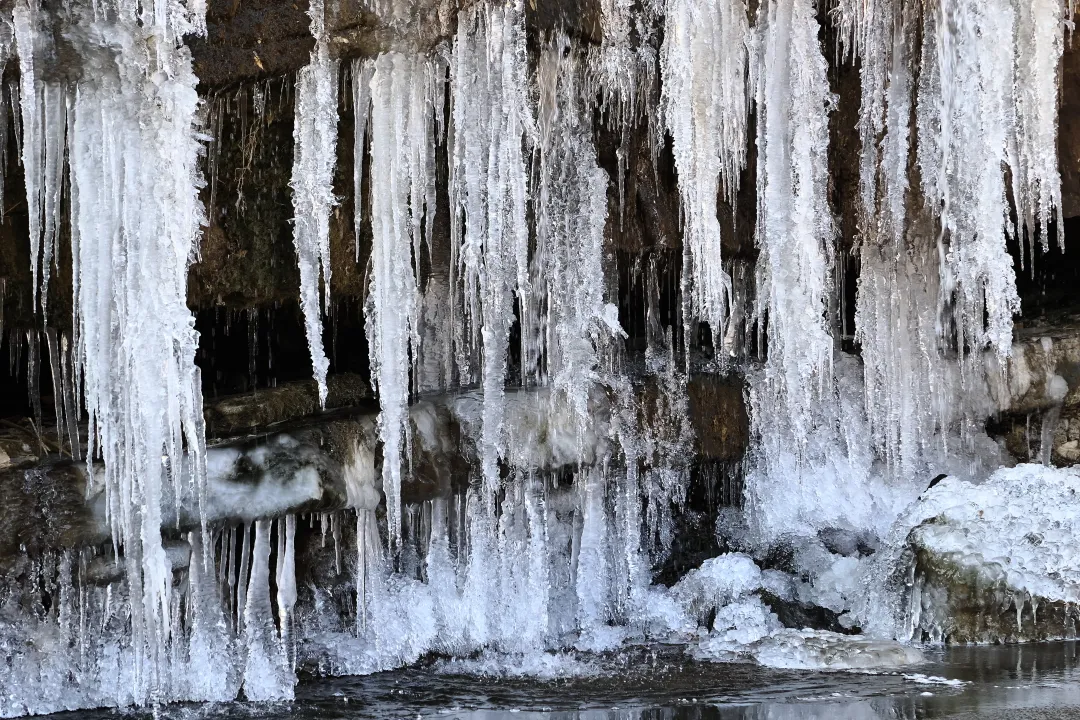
(44, 121)
(314, 158)
(362, 70)
(7, 50)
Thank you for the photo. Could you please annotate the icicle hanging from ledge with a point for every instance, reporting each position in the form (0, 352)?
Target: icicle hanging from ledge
(704, 68)
(44, 121)
(314, 158)
(493, 126)
(808, 463)
(569, 321)
(133, 234)
(965, 123)
(795, 229)
(403, 89)
(1036, 179)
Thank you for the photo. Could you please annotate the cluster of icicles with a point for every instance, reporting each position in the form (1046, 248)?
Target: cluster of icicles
(963, 91)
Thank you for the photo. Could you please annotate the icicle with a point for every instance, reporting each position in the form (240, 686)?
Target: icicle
(493, 123)
(286, 577)
(314, 157)
(905, 380)
(704, 69)
(52, 345)
(210, 672)
(33, 374)
(965, 121)
(569, 322)
(795, 227)
(7, 49)
(1036, 180)
(362, 70)
(133, 232)
(267, 674)
(402, 88)
(44, 120)
(242, 579)
(793, 399)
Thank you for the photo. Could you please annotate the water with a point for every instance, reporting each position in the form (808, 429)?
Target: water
(1017, 681)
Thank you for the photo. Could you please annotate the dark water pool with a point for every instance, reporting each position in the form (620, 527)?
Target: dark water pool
(1036, 682)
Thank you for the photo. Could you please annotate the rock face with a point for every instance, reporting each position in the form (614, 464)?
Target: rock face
(1038, 398)
(1069, 130)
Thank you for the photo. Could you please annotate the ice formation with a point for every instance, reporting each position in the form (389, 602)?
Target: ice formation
(548, 543)
(403, 100)
(704, 73)
(494, 126)
(1013, 530)
(133, 233)
(964, 122)
(793, 399)
(567, 323)
(314, 159)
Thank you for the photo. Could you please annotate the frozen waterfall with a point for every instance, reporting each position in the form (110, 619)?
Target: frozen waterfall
(549, 215)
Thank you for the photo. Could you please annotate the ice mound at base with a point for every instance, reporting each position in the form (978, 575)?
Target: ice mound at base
(745, 629)
(1017, 529)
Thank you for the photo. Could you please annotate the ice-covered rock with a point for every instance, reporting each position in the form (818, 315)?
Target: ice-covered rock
(994, 561)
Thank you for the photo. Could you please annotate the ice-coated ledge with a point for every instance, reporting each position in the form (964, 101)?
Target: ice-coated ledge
(997, 561)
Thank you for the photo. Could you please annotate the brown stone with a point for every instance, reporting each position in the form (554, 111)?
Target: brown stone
(718, 415)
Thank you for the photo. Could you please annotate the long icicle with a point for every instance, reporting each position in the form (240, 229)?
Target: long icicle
(402, 168)
(493, 122)
(314, 157)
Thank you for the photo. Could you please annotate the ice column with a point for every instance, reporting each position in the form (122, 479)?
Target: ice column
(493, 126)
(314, 157)
(267, 674)
(793, 397)
(403, 89)
(133, 234)
(794, 226)
(704, 70)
